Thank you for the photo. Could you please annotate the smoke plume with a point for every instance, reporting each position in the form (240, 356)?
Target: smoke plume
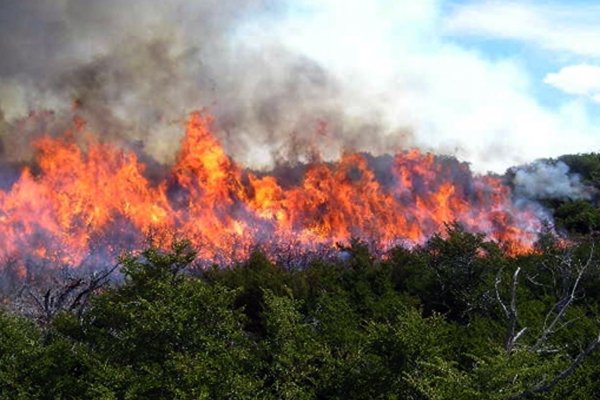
(133, 70)
(546, 180)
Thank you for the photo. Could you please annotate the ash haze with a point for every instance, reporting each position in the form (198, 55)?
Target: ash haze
(493, 83)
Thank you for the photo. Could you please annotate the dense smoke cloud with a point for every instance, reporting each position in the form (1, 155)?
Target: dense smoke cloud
(135, 69)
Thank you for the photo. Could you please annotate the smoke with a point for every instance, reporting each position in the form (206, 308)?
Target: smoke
(133, 70)
(545, 180)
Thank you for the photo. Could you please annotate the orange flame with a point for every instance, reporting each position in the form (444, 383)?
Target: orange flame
(91, 195)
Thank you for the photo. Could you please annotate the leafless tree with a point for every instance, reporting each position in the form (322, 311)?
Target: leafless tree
(67, 293)
(572, 271)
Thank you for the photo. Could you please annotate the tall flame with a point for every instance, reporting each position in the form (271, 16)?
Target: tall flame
(86, 196)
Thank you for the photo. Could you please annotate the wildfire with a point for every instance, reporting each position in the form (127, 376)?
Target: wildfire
(85, 196)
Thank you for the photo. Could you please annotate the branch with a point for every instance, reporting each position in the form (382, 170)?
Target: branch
(543, 387)
(82, 298)
(562, 305)
(70, 296)
(512, 336)
(496, 285)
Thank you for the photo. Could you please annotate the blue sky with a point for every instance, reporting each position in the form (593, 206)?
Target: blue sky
(496, 83)
(536, 59)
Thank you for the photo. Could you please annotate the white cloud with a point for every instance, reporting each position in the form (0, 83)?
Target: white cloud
(571, 29)
(581, 79)
(456, 100)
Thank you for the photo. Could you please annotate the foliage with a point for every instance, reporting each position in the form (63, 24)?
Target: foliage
(580, 216)
(434, 322)
(585, 165)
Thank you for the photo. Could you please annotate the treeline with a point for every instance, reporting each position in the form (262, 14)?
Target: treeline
(454, 319)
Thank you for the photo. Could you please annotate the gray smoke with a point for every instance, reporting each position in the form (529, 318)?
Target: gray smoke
(135, 69)
(546, 180)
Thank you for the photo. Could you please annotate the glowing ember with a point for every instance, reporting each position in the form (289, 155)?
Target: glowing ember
(94, 198)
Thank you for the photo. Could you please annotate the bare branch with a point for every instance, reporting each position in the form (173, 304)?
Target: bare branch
(72, 295)
(512, 336)
(498, 297)
(563, 304)
(543, 386)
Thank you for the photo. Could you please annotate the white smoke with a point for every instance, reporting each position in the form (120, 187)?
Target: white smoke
(546, 180)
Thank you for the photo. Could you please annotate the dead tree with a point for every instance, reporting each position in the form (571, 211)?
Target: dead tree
(510, 312)
(545, 386)
(553, 321)
(71, 293)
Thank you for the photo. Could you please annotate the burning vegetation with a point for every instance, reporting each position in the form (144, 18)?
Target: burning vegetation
(83, 198)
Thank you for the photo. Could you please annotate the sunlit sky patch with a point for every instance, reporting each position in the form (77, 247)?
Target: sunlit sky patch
(493, 82)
